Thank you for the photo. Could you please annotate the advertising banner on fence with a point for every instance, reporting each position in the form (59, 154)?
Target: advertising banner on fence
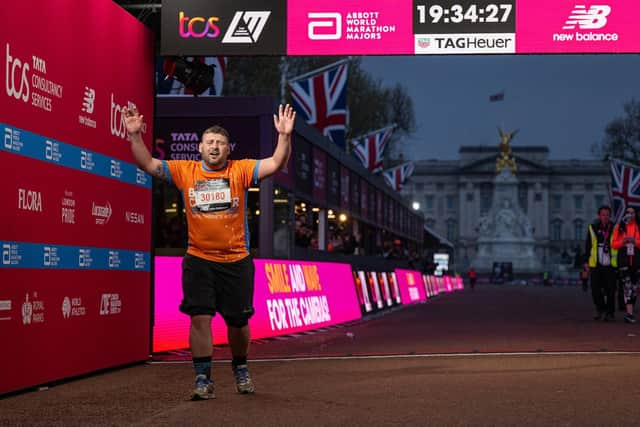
(289, 296)
(411, 286)
(75, 240)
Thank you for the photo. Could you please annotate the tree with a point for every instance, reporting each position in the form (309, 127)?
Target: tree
(371, 106)
(622, 136)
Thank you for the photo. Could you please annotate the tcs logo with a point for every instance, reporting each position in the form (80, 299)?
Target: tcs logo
(198, 27)
(16, 78)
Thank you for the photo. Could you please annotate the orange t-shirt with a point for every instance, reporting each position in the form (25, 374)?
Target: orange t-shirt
(215, 203)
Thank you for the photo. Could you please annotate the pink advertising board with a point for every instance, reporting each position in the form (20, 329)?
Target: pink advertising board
(568, 26)
(289, 296)
(358, 27)
(411, 286)
(76, 219)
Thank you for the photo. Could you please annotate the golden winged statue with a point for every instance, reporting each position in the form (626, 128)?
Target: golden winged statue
(505, 161)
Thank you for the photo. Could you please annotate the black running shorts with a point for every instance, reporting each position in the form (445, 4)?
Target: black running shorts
(211, 287)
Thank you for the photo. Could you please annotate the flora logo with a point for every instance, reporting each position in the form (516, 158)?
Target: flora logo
(246, 27)
(16, 69)
(198, 27)
(587, 19)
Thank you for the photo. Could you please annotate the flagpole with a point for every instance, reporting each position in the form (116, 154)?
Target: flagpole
(354, 141)
(284, 69)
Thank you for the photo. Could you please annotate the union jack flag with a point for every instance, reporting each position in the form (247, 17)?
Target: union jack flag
(370, 149)
(396, 177)
(625, 187)
(321, 99)
(174, 87)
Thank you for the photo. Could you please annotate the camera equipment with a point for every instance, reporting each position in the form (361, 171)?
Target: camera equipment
(195, 75)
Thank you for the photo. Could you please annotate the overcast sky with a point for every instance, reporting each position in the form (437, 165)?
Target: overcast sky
(562, 101)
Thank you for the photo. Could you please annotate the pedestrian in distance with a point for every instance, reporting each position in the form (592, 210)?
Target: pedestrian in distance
(472, 278)
(601, 263)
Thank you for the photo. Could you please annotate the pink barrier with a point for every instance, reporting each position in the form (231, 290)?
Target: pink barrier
(408, 282)
(289, 296)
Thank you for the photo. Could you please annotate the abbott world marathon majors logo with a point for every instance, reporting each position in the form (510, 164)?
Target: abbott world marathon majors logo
(354, 25)
(582, 21)
(117, 124)
(27, 81)
(11, 255)
(12, 140)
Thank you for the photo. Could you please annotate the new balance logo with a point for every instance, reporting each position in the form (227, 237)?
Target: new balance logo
(246, 27)
(88, 100)
(587, 19)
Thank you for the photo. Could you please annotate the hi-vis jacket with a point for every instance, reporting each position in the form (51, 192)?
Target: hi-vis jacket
(592, 246)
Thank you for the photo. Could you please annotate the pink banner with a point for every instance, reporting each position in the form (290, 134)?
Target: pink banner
(336, 27)
(81, 322)
(411, 286)
(289, 296)
(567, 26)
(47, 206)
(76, 218)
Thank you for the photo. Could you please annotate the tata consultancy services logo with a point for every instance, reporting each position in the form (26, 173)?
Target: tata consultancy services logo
(16, 77)
(582, 18)
(245, 27)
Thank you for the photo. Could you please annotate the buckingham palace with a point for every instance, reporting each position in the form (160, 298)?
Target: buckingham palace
(559, 197)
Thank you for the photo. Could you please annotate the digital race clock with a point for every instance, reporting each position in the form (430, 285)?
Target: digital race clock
(442, 17)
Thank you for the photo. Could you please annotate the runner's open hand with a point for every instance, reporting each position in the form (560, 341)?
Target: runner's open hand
(132, 120)
(285, 119)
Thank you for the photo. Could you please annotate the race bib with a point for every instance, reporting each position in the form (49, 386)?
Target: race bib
(212, 195)
(630, 249)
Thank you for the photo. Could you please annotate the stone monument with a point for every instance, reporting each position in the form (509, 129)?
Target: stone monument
(505, 233)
